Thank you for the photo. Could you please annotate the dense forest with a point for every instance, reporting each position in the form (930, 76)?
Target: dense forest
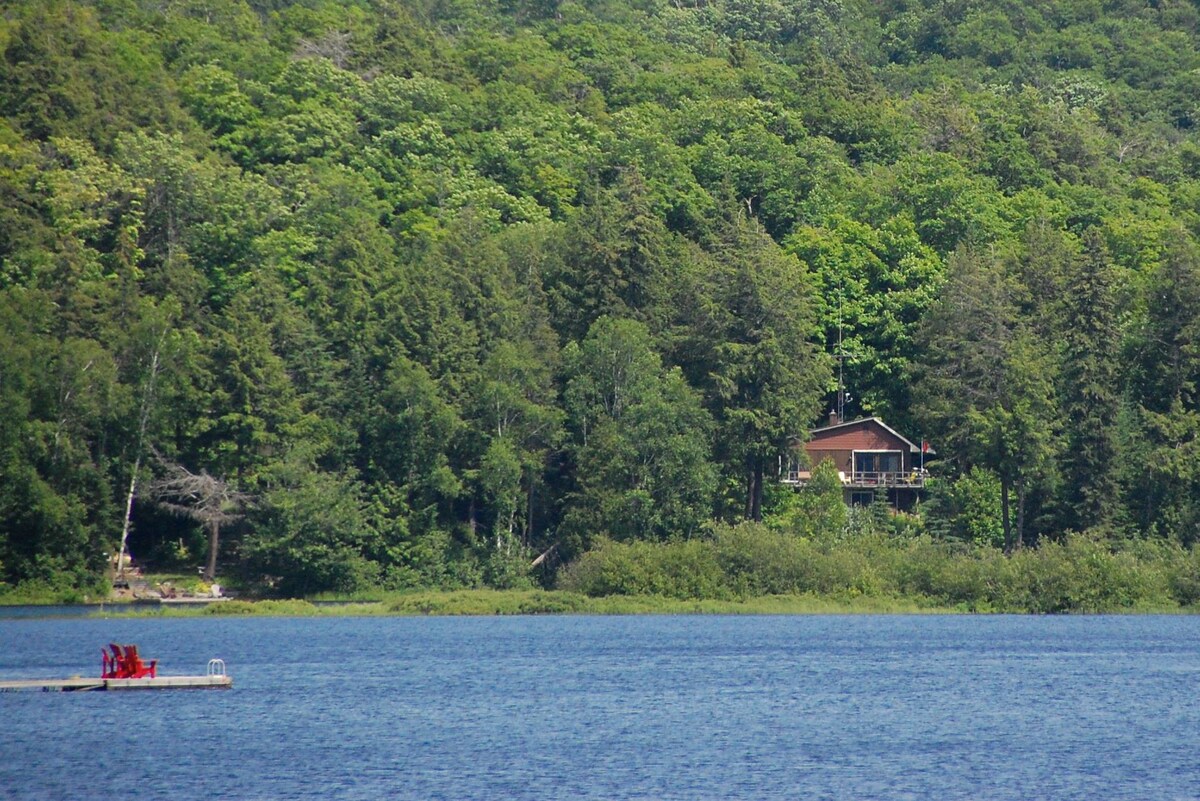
(332, 294)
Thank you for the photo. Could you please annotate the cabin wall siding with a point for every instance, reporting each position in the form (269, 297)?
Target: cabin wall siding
(840, 459)
(839, 446)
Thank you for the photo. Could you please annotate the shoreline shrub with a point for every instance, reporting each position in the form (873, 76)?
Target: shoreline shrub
(1081, 574)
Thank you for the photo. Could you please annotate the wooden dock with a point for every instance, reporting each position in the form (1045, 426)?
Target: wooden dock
(77, 684)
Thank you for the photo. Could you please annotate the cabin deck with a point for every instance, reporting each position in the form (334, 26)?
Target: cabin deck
(913, 479)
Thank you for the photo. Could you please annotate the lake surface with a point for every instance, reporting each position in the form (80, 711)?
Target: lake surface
(828, 707)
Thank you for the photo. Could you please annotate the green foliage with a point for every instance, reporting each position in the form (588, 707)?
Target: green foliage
(308, 534)
(874, 285)
(1090, 394)
(490, 602)
(818, 509)
(751, 346)
(64, 588)
(967, 508)
(445, 289)
(1081, 574)
(237, 608)
(641, 444)
(683, 569)
(986, 383)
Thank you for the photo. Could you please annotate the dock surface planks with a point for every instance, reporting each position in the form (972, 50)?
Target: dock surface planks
(93, 685)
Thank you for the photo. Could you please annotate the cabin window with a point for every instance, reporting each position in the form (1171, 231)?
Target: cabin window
(792, 467)
(862, 498)
(875, 462)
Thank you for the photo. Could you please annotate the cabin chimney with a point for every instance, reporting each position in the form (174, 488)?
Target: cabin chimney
(833, 417)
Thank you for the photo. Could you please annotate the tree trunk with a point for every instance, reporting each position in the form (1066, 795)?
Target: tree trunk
(1005, 521)
(143, 422)
(748, 510)
(754, 491)
(214, 539)
(1020, 516)
(137, 465)
(529, 515)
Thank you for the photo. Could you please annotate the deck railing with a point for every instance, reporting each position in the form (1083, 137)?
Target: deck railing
(914, 478)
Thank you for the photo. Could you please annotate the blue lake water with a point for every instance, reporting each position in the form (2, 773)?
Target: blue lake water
(826, 707)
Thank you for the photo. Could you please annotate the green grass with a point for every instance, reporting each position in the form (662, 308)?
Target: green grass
(539, 602)
(555, 602)
(37, 593)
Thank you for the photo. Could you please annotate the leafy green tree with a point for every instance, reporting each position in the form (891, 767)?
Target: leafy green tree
(154, 346)
(818, 509)
(215, 98)
(950, 206)
(966, 508)
(1164, 351)
(614, 261)
(641, 441)
(251, 405)
(516, 415)
(874, 286)
(406, 442)
(57, 516)
(1165, 345)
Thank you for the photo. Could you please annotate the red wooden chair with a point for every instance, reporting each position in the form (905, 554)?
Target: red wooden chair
(135, 668)
(114, 665)
(125, 663)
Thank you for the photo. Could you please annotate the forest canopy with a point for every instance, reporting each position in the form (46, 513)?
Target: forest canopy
(424, 293)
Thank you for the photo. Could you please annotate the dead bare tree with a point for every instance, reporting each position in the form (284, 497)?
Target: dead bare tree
(335, 46)
(208, 500)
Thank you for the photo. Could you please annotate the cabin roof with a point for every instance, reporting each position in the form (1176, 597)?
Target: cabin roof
(912, 447)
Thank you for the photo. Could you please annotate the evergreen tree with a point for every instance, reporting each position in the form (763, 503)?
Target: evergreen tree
(1161, 487)
(614, 260)
(1090, 396)
(752, 347)
(986, 384)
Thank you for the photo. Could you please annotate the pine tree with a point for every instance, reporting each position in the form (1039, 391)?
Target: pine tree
(985, 384)
(1090, 391)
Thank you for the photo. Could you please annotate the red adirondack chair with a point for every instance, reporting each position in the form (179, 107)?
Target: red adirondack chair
(135, 668)
(108, 669)
(113, 665)
(126, 664)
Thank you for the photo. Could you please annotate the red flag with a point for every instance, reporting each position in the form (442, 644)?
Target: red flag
(924, 446)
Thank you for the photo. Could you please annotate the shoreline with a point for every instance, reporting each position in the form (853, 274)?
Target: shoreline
(450, 603)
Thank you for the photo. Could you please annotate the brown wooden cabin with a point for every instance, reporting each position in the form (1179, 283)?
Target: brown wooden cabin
(871, 458)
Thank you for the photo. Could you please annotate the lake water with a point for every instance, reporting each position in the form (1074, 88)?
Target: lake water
(827, 707)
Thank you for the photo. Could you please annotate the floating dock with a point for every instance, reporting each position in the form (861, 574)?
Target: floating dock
(211, 682)
(215, 678)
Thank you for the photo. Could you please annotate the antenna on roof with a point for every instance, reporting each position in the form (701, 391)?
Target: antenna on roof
(840, 355)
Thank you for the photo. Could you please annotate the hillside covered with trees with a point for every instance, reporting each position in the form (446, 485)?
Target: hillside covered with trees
(334, 294)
